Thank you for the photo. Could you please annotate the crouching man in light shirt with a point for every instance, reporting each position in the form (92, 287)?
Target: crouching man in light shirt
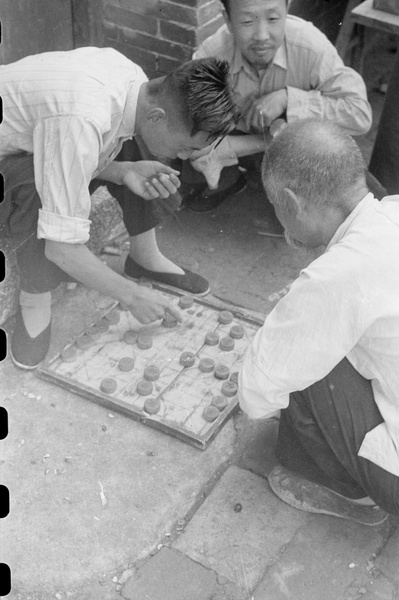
(328, 354)
(78, 119)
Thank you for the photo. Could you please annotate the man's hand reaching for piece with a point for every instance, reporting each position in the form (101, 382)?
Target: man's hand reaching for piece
(147, 305)
(79, 262)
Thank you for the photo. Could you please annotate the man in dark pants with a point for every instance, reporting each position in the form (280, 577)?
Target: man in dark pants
(328, 354)
(69, 123)
(384, 161)
(282, 69)
(326, 15)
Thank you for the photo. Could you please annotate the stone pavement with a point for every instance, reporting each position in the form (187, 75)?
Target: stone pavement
(174, 522)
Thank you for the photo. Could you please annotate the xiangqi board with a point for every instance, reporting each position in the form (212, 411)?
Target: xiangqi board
(180, 378)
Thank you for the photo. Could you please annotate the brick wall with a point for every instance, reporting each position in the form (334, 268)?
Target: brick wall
(159, 34)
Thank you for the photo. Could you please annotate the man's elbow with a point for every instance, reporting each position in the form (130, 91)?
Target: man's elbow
(360, 119)
(363, 124)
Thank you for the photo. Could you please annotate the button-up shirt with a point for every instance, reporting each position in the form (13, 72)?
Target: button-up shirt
(72, 111)
(344, 304)
(308, 66)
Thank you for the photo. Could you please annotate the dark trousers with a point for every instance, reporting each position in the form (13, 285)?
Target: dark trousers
(322, 430)
(327, 15)
(19, 215)
(385, 156)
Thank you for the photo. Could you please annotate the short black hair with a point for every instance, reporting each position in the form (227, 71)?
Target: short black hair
(226, 5)
(199, 93)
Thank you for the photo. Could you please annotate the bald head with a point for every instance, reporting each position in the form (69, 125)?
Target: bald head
(318, 161)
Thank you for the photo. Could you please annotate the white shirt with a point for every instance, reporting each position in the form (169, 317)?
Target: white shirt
(72, 111)
(318, 83)
(344, 304)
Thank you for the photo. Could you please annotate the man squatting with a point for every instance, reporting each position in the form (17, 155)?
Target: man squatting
(327, 355)
(282, 69)
(68, 123)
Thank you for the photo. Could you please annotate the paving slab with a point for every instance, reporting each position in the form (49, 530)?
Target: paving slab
(170, 575)
(240, 529)
(388, 560)
(326, 558)
(378, 588)
(257, 441)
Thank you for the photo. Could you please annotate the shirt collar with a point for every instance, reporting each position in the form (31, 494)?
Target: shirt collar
(240, 62)
(363, 205)
(280, 58)
(128, 122)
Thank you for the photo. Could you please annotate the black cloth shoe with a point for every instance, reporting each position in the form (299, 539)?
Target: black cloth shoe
(26, 352)
(204, 200)
(189, 282)
(295, 490)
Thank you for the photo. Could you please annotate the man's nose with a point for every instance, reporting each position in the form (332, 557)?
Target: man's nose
(262, 30)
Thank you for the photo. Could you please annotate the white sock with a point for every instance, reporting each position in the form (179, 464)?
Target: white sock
(36, 311)
(145, 252)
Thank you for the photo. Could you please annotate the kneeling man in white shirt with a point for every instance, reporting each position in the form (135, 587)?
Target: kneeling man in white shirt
(328, 353)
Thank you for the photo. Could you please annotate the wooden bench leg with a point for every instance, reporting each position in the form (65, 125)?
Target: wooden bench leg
(345, 36)
(375, 186)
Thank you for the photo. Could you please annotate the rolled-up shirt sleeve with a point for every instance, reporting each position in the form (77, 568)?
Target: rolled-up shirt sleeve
(66, 151)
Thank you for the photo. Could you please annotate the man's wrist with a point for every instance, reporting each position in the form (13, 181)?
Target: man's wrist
(124, 168)
(245, 145)
(127, 292)
(115, 172)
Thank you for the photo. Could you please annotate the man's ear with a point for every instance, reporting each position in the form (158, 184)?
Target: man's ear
(156, 114)
(295, 203)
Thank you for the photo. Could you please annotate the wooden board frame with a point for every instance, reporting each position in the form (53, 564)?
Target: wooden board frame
(118, 405)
